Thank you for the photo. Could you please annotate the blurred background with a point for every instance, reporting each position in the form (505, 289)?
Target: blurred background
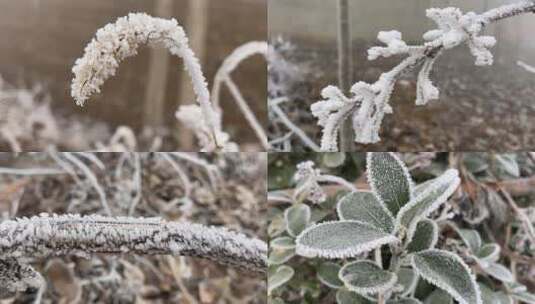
(480, 108)
(43, 38)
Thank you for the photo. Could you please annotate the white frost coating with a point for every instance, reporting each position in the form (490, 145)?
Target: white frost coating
(330, 113)
(307, 178)
(350, 251)
(454, 293)
(223, 76)
(449, 178)
(455, 28)
(395, 45)
(425, 90)
(117, 41)
(370, 274)
(373, 175)
(370, 102)
(526, 66)
(232, 61)
(49, 235)
(191, 116)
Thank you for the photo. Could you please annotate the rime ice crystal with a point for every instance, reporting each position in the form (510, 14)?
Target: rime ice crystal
(308, 187)
(50, 235)
(192, 118)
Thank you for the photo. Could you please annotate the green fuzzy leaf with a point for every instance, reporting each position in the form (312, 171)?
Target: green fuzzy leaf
(439, 296)
(427, 201)
(475, 162)
(404, 301)
(279, 277)
(449, 272)
(507, 163)
(425, 236)
(344, 296)
(491, 297)
(275, 301)
(341, 239)
(333, 159)
(471, 238)
(283, 242)
(328, 274)
(366, 277)
(502, 298)
(297, 218)
(422, 186)
(408, 279)
(365, 207)
(280, 256)
(487, 294)
(526, 297)
(390, 180)
(498, 272)
(489, 253)
(277, 226)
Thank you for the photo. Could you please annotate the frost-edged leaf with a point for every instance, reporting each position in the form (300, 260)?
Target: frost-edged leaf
(389, 179)
(524, 297)
(487, 295)
(498, 272)
(328, 274)
(366, 277)
(475, 162)
(471, 238)
(408, 279)
(344, 296)
(277, 226)
(365, 207)
(404, 301)
(439, 296)
(425, 236)
(489, 253)
(507, 163)
(283, 242)
(279, 277)
(340, 239)
(503, 298)
(275, 301)
(280, 256)
(434, 195)
(297, 218)
(334, 159)
(449, 272)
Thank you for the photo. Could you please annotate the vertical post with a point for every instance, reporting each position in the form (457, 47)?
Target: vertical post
(154, 105)
(345, 70)
(196, 27)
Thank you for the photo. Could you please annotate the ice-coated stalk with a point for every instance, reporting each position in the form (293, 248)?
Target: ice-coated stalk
(52, 235)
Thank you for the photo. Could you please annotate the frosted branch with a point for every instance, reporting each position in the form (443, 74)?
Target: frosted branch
(368, 103)
(52, 235)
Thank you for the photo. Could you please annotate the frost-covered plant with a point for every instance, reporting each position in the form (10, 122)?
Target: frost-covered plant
(369, 102)
(25, 119)
(385, 240)
(117, 41)
(51, 235)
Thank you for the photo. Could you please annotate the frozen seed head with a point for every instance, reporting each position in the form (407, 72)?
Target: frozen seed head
(117, 41)
(120, 40)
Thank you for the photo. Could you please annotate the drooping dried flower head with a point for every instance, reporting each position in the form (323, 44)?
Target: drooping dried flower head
(117, 41)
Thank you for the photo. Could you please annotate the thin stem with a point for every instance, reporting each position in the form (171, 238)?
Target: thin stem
(292, 127)
(345, 68)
